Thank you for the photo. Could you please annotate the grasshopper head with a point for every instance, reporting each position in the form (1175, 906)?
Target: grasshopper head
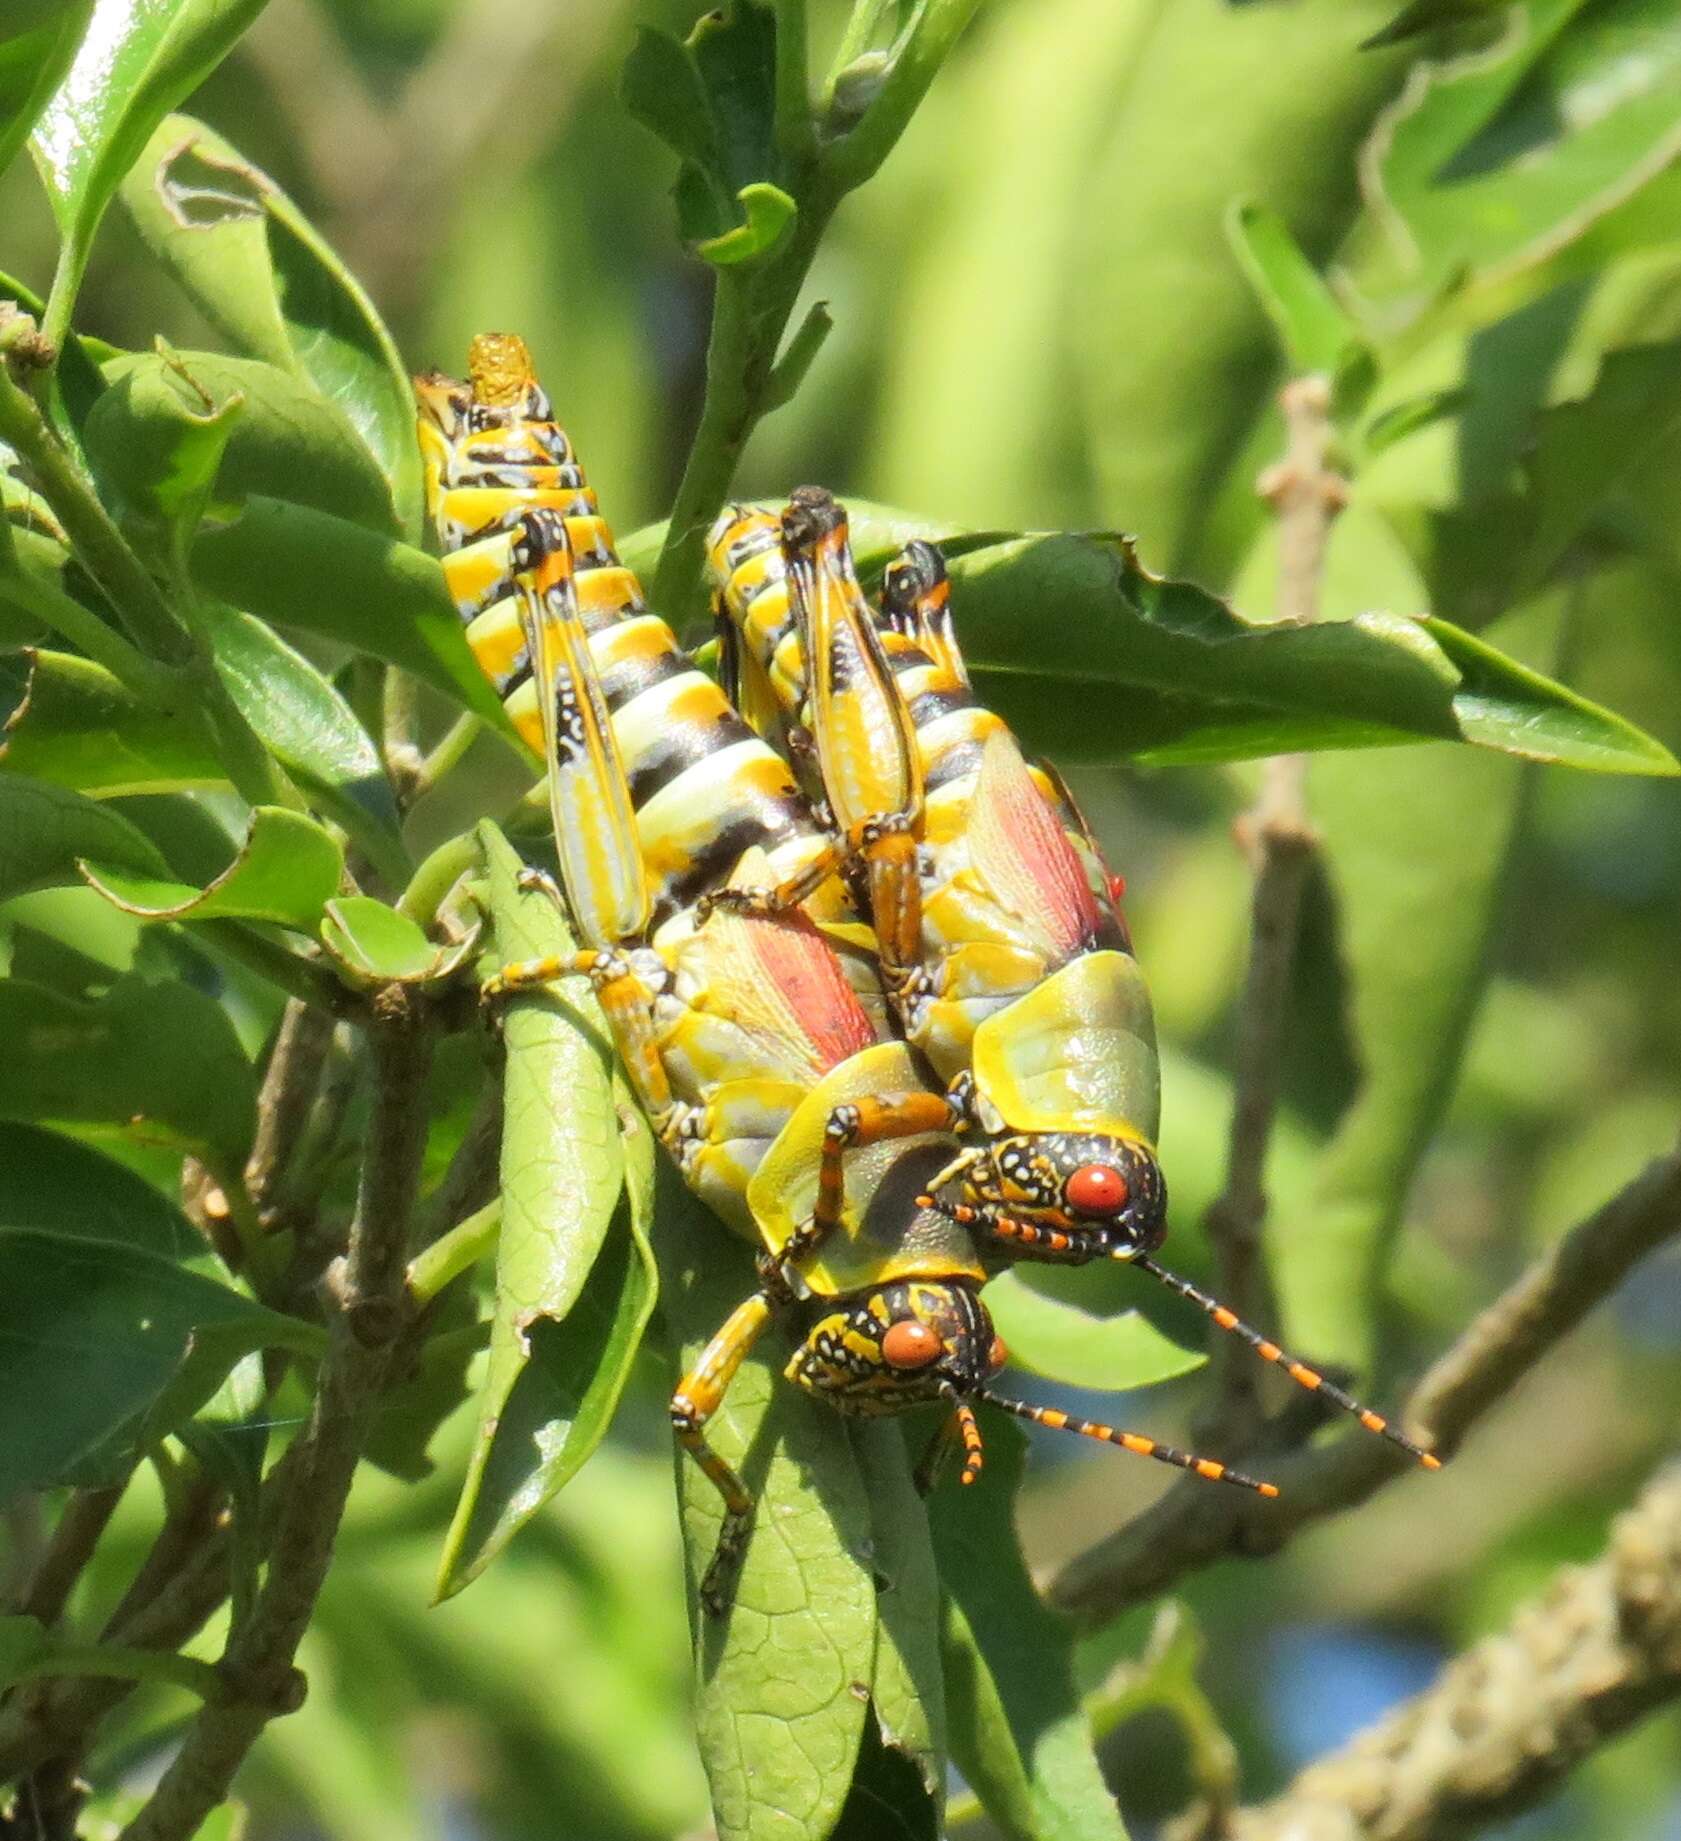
(1105, 1190)
(899, 1345)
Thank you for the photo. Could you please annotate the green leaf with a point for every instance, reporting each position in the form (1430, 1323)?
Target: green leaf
(311, 730)
(1492, 164)
(1486, 556)
(64, 1188)
(1060, 1342)
(1421, 16)
(286, 871)
(770, 212)
(779, 1743)
(1417, 849)
(574, 1277)
(45, 828)
(1316, 332)
(161, 1061)
(1393, 425)
(907, 1686)
(138, 59)
(296, 566)
(1018, 1731)
(40, 41)
(375, 944)
(159, 432)
(1189, 680)
(712, 100)
(262, 275)
(95, 1337)
(74, 724)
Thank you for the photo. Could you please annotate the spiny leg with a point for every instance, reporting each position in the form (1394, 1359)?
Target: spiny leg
(878, 1119)
(1268, 1351)
(1132, 1441)
(699, 1395)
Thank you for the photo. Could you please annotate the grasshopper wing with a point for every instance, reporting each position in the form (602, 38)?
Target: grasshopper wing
(589, 795)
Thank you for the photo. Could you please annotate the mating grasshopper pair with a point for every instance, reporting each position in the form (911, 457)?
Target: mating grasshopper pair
(728, 957)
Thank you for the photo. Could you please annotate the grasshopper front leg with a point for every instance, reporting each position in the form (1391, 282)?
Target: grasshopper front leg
(699, 1395)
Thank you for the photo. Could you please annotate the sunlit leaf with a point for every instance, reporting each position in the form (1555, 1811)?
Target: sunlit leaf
(907, 1686)
(778, 1741)
(1316, 331)
(712, 99)
(1491, 164)
(574, 1281)
(40, 40)
(285, 441)
(286, 871)
(263, 276)
(374, 944)
(137, 59)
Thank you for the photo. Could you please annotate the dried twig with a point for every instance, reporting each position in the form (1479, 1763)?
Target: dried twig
(1280, 844)
(1518, 1711)
(1192, 1526)
(289, 1087)
(365, 1311)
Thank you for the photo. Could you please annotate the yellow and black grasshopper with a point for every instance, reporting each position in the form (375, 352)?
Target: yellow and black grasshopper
(786, 1104)
(1006, 955)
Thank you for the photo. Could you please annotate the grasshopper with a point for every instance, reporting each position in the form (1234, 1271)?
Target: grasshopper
(784, 1101)
(1008, 961)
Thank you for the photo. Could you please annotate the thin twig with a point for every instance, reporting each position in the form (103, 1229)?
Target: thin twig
(1280, 844)
(366, 1312)
(1192, 1525)
(289, 1087)
(1503, 1723)
(82, 1521)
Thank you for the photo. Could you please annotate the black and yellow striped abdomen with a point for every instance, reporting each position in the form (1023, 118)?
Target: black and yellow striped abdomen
(704, 786)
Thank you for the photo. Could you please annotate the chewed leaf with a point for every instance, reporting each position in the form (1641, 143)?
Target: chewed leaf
(128, 73)
(1188, 680)
(261, 273)
(287, 870)
(374, 944)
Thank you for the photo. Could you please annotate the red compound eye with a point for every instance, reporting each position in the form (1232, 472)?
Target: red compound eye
(997, 1355)
(909, 1344)
(1096, 1189)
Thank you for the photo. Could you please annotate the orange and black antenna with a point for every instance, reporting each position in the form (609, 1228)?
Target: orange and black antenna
(1132, 1441)
(1298, 1372)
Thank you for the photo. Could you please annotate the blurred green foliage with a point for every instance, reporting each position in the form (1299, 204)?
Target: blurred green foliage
(1064, 304)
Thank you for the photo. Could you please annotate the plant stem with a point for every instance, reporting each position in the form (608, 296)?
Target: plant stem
(848, 162)
(1281, 845)
(366, 1311)
(116, 1663)
(29, 589)
(122, 577)
(453, 1253)
(454, 858)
